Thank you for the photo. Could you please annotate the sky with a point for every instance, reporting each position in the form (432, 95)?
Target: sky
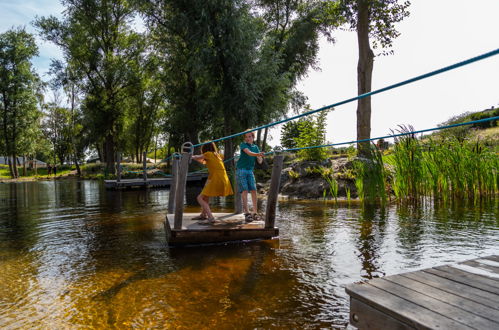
(437, 33)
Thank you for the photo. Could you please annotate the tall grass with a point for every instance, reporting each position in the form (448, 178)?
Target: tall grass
(371, 177)
(443, 168)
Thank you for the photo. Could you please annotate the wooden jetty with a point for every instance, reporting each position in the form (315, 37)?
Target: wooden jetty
(458, 296)
(149, 182)
(145, 182)
(181, 229)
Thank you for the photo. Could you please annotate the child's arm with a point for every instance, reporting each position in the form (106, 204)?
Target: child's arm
(198, 158)
(253, 154)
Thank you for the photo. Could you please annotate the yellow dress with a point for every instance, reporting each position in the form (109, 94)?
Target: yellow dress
(218, 183)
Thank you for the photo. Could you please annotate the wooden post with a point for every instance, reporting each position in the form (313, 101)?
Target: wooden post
(173, 186)
(118, 159)
(238, 203)
(144, 165)
(273, 193)
(180, 190)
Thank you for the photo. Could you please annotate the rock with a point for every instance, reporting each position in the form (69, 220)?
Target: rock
(313, 185)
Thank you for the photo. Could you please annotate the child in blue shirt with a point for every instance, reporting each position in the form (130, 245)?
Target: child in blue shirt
(245, 177)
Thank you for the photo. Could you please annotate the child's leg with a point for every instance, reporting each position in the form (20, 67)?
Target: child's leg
(255, 201)
(204, 202)
(244, 197)
(200, 200)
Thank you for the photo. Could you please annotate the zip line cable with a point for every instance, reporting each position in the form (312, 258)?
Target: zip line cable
(405, 82)
(393, 135)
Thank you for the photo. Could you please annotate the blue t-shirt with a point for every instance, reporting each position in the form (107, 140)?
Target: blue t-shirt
(246, 161)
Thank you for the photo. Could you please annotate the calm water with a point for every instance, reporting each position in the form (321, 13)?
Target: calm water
(73, 255)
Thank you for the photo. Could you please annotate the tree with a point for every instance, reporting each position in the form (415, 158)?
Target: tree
(370, 19)
(65, 78)
(19, 92)
(98, 45)
(312, 132)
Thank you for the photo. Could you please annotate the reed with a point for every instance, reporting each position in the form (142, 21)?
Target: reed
(371, 177)
(443, 168)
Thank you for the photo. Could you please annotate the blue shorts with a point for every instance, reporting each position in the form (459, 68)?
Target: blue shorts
(245, 180)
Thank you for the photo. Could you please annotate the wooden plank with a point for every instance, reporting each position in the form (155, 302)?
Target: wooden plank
(483, 297)
(493, 258)
(446, 297)
(486, 267)
(173, 185)
(365, 317)
(469, 281)
(273, 191)
(431, 304)
(401, 309)
(471, 276)
(228, 227)
(238, 203)
(180, 191)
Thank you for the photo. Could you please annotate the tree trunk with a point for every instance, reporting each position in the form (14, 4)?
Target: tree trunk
(109, 152)
(11, 169)
(99, 152)
(24, 165)
(259, 138)
(78, 169)
(264, 142)
(364, 77)
(14, 165)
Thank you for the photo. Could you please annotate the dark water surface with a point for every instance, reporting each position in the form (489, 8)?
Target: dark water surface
(73, 255)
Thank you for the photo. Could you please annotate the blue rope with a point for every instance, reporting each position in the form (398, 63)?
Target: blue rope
(405, 82)
(394, 135)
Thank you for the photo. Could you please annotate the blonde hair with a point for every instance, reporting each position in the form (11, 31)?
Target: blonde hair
(249, 131)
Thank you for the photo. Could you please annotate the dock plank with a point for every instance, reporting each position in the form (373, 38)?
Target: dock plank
(227, 227)
(470, 279)
(446, 297)
(401, 309)
(458, 296)
(457, 314)
(466, 292)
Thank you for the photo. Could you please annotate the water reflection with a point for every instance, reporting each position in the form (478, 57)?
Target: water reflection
(369, 239)
(75, 255)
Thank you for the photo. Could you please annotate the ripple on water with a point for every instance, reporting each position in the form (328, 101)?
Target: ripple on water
(73, 255)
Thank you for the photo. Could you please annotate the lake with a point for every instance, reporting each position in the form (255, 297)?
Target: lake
(73, 255)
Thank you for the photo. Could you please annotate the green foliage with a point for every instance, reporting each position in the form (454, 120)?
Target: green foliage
(100, 49)
(312, 132)
(294, 175)
(289, 133)
(383, 14)
(371, 177)
(444, 168)
(19, 93)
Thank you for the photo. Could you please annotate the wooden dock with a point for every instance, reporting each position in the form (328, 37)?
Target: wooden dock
(149, 182)
(227, 227)
(458, 296)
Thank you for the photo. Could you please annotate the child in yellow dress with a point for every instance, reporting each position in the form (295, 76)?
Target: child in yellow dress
(218, 183)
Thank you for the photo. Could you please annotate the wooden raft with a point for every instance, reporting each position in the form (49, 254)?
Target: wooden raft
(227, 227)
(181, 229)
(457, 296)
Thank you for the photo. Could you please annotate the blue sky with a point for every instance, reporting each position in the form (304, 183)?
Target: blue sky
(21, 13)
(436, 34)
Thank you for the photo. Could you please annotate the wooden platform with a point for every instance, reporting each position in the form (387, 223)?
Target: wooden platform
(457, 296)
(228, 227)
(150, 182)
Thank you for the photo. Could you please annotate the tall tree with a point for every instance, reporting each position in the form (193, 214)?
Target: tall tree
(99, 44)
(374, 21)
(19, 91)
